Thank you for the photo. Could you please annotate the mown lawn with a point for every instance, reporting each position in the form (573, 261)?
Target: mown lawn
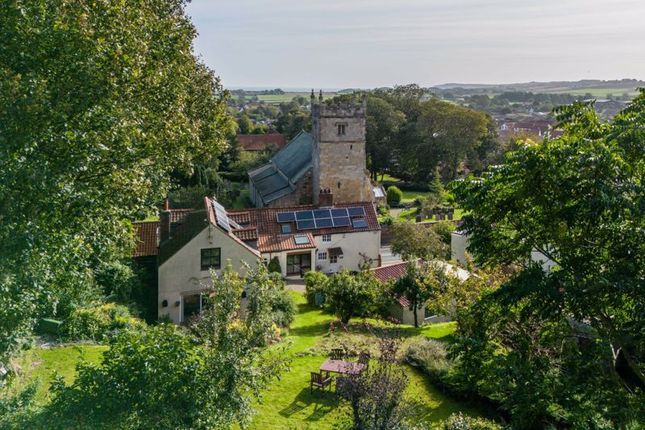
(288, 404)
(42, 364)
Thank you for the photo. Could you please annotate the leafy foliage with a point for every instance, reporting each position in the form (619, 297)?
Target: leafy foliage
(394, 195)
(417, 241)
(165, 378)
(98, 321)
(274, 265)
(568, 343)
(375, 395)
(315, 283)
(101, 101)
(460, 421)
(348, 295)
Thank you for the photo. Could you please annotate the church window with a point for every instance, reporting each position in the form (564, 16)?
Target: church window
(341, 129)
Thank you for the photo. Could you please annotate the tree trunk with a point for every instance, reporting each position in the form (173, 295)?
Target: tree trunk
(414, 309)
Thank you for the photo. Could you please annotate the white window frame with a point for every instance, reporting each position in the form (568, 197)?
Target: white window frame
(322, 256)
(333, 259)
(326, 237)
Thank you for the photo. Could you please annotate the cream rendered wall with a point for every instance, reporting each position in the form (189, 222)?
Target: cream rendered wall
(282, 258)
(181, 274)
(354, 244)
(458, 245)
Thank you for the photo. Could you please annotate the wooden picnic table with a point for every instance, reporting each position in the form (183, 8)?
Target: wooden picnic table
(342, 367)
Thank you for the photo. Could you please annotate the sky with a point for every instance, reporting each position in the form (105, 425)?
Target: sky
(373, 43)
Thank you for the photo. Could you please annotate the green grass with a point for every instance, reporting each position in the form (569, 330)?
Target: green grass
(410, 214)
(41, 364)
(597, 92)
(287, 97)
(288, 404)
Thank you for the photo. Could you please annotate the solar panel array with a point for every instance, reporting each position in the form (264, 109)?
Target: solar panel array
(223, 219)
(325, 218)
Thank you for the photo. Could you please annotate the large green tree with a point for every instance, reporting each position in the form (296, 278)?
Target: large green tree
(99, 102)
(578, 200)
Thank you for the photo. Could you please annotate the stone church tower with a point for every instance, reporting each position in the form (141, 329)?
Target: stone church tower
(339, 158)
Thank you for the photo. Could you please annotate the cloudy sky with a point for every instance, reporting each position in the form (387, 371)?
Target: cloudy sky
(370, 43)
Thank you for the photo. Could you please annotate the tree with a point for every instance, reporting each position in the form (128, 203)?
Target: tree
(165, 378)
(347, 295)
(414, 241)
(376, 394)
(101, 101)
(382, 127)
(245, 124)
(394, 195)
(416, 286)
(578, 200)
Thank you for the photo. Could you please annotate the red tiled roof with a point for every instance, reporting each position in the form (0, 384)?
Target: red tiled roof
(283, 242)
(178, 215)
(260, 142)
(212, 218)
(146, 234)
(240, 217)
(271, 238)
(393, 272)
(390, 272)
(248, 233)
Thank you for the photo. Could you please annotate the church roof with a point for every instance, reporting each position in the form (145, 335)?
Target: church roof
(278, 177)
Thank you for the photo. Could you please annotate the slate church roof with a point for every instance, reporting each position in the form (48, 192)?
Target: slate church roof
(278, 177)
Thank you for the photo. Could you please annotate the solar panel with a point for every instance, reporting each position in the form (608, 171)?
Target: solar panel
(359, 223)
(338, 212)
(286, 217)
(356, 211)
(305, 224)
(341, 222)
(322, 213)
(302, 215)
(301, 240)
(324, 223)
(222, 216)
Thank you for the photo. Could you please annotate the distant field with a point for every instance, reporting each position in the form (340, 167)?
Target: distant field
(287, 97)
(596, 92)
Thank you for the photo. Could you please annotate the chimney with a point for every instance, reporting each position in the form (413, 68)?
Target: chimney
(164, 221)
(164, 225)
(325, 198)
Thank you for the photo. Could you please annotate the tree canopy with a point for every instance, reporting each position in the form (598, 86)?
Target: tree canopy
(578, 200)
(99, 103)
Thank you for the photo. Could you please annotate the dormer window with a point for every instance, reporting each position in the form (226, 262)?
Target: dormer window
(341, 129)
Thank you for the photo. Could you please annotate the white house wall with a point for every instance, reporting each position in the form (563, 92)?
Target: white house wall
(353, 245)
(181, 274)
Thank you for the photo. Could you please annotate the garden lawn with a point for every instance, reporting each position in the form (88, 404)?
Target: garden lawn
(41, 364)
(288, 404)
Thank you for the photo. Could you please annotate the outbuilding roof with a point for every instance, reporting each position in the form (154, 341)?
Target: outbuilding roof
(146, 236)
(261, 142)
(278, 177)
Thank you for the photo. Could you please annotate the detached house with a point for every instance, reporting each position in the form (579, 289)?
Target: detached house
(189, 243)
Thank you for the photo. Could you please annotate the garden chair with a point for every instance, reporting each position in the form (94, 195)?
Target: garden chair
(319, 381)
(364, 358)
(337, 354)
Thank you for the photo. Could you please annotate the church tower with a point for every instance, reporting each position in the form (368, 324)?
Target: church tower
(339, 158)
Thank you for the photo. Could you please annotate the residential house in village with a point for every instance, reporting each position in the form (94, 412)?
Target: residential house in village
(315, 211)
(189, 243)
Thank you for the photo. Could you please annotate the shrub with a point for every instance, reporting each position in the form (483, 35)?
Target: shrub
(431, 356)
(459, 421)
(382, 210)
(315, 283)
(283, 307)
(96, 322)
(274, 266)
(348, 295)
(394, 196)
